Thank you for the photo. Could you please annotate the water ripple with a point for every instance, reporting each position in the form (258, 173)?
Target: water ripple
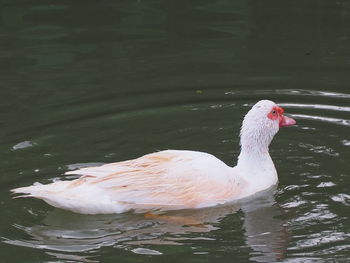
(295, 92)
(342, 198)
(316, 106)
(22, 145)
(338, 121)
(319, 149)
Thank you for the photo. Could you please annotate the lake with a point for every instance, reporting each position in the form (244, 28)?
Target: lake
(90, 82)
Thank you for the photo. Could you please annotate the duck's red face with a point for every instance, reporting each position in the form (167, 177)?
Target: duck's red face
(277, 113)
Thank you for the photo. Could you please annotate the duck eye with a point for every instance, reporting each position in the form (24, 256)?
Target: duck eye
(273, 112)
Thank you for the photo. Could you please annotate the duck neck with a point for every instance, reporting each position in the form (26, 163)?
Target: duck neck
(254, 141)
(256, 166)
(253, 158)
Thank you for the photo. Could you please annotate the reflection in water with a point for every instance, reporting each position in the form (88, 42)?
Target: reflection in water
(63, 232)
(266, 233)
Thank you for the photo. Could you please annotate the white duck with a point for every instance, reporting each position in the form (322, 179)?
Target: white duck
(173, 179)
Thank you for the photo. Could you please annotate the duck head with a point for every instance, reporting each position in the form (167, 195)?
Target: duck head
(260, 125)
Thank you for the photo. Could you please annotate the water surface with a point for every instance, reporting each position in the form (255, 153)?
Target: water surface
(87, 82)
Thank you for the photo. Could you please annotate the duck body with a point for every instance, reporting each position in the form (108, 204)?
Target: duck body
(166, 180)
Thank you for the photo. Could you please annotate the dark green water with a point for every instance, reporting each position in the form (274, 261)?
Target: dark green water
(85, 82)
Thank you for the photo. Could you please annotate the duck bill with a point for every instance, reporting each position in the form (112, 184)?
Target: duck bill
(286, 121)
